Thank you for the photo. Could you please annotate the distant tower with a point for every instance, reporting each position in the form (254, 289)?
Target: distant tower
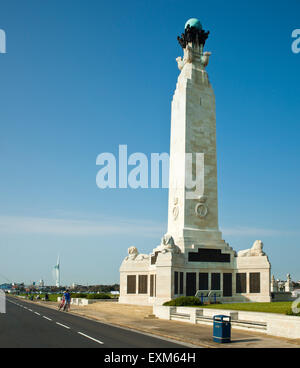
(57, 273)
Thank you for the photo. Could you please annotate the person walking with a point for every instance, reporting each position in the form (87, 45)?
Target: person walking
(67, 297)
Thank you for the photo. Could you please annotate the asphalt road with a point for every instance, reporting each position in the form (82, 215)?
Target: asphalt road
(26, 325)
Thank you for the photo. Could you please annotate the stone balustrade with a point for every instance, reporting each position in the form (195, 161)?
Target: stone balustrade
(84, 301)
(268, 323)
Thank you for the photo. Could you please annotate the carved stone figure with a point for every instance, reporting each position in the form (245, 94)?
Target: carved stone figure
(175, 208)
(167, 240)
(168, 245)
(180, 62)
(256, 250)
(133, 255)
(188, 58)
(205, 58)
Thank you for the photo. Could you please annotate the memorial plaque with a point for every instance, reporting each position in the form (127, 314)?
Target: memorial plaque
(215, 281)
(181, 283)
(175, 282)
(143, 280)
(151, 285)
(227, 284)
(190, 283)
(254, 282)
(203, 281)
(131, 284)
(209, 255)
(241, 283)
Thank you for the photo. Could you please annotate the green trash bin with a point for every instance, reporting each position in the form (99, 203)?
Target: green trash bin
(222, 329)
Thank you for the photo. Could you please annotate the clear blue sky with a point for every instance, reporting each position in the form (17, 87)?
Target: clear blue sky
(81, 77)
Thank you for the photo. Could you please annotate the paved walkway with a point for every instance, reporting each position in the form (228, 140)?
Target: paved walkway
(136, 317)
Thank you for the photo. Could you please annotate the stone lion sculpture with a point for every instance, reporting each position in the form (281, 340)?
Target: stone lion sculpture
(168, 245)
(133, 255)
(168, 240)
(256, 250)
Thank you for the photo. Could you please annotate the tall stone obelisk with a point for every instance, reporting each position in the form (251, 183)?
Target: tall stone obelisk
(192, 258)
(193, 212)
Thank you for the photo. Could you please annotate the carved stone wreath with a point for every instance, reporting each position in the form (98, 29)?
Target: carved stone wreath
(201, 209)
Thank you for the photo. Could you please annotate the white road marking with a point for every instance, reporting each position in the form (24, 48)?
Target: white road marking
(62, 325)
(91, 338)
(49, 319)
(37, 313)
(30, 310)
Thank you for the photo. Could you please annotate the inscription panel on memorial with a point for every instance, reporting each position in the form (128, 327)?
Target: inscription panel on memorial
(215, 281)
(131, 284)
(254, 282)
(143, 281)
(203, 281)
(227, 284)
(241, 283)
(209, 255)
(190, 284)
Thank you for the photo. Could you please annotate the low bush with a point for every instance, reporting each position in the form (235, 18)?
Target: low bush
(79, 295)
(291, 313)
(184, 301)
(52, 297)
(98, 296)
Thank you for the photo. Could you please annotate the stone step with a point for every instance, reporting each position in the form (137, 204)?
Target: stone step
(151, 316)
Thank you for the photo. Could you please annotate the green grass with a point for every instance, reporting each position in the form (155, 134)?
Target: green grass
(52, 297)
(275, 307)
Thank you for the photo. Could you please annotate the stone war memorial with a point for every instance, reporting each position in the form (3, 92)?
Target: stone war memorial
(192, 257)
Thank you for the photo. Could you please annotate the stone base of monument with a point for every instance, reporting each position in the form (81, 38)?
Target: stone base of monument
(168, 273)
